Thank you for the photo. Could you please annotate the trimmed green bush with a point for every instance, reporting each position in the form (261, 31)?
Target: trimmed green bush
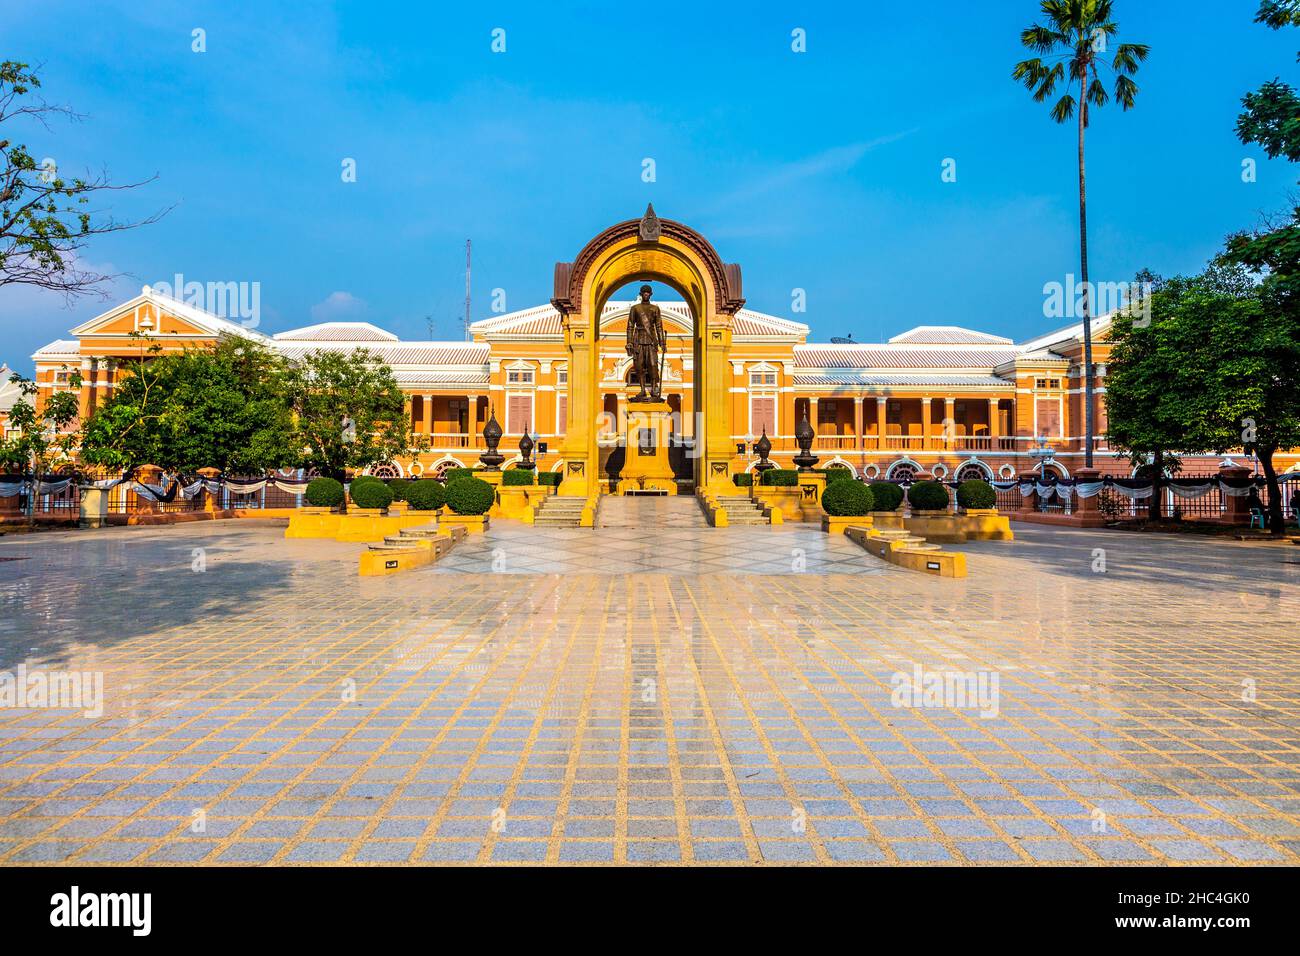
(550, 479)
(324, 493)
(838, 473)
(928, 496)
(887, 495)
(363, 480)
(398, 487)
(371, 494)
(470, 496)
(847, 498)
(976, 493)
(518, 476)
(780, 477)
(426, 495)
(456, 474)
(742, 479)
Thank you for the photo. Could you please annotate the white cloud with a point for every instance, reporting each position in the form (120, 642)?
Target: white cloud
(339, 307)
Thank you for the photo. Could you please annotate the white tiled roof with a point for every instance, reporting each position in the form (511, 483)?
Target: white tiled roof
(58, 350)
(337, 332)
(1067, 334)
(400, 353)
(545, 320)
(853, 377)
(891, 356)
(947, 335)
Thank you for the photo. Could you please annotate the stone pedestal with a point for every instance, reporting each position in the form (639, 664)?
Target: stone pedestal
(1028, 502)
(645, 465)
(94, 508)
(10, 505)
(210, 502)
(1236, 508)
(1085, 507)
(146, 475)
(811, 486)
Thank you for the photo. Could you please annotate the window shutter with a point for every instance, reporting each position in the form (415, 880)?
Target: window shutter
(762, 414)
(519, 414)
(562, 414)
(1049, 417)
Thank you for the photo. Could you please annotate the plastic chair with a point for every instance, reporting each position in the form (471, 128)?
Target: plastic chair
(1257, 514)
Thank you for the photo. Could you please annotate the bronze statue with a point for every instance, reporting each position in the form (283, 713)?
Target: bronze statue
(646, 343)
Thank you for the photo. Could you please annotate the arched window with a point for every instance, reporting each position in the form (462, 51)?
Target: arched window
(902, 471)
(974, 470)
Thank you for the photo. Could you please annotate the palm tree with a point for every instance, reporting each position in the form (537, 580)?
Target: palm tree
(1075, 39)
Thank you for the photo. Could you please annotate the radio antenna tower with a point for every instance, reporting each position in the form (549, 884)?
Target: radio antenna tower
(467, 273)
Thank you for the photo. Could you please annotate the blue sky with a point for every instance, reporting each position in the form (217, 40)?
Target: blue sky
(819, 170)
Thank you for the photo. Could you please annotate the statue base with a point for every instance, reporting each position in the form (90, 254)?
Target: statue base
(646, 469)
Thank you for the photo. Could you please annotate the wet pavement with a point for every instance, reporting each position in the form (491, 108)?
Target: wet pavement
(611, 696)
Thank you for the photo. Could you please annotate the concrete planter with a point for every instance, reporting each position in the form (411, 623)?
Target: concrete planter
(887, 520)
(837, 524)
(944, 527)
(471, 523)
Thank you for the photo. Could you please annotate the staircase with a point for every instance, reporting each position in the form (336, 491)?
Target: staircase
(742, 510)
(560, 511)
(650, 511)
(441, 540)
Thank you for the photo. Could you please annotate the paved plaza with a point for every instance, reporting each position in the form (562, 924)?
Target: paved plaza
(618, 696)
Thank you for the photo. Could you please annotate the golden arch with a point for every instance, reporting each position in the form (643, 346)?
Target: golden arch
(648, 249)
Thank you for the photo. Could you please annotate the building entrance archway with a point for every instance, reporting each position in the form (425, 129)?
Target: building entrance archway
(648, 250)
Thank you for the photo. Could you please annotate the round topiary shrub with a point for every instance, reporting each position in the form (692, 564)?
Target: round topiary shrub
(550, 479)
(780, 478)
(976, 494)
(398, 487)
(847, 499)
(888, 496)
(928, 496)
(371, 494)
(838, 473)
(324, 493)
(426, 495)
(456, 474)
(742, 479)
(518, 476)
(470, 496)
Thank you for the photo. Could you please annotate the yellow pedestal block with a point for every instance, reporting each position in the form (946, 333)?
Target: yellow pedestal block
(313, 523)
(834, 524)
(646, 466)
(374, 563)
(947, 564)
(474, 524)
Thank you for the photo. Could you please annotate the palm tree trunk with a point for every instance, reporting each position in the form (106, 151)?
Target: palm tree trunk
(1083, 274)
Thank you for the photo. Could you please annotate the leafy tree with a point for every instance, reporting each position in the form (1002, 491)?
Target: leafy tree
(44, 437)
(349, 411)
(1215, 369)
(1073, 42)
(46, 219)
(222, 407)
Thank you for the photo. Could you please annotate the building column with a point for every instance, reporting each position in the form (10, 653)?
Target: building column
(812, 413)
(925, 422)
(995, 427)
(472, 419)
(426, 409)
(857, 422)
(882, 413)
(949, 423)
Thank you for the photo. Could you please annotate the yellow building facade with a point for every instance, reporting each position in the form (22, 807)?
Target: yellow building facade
(947, 400)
